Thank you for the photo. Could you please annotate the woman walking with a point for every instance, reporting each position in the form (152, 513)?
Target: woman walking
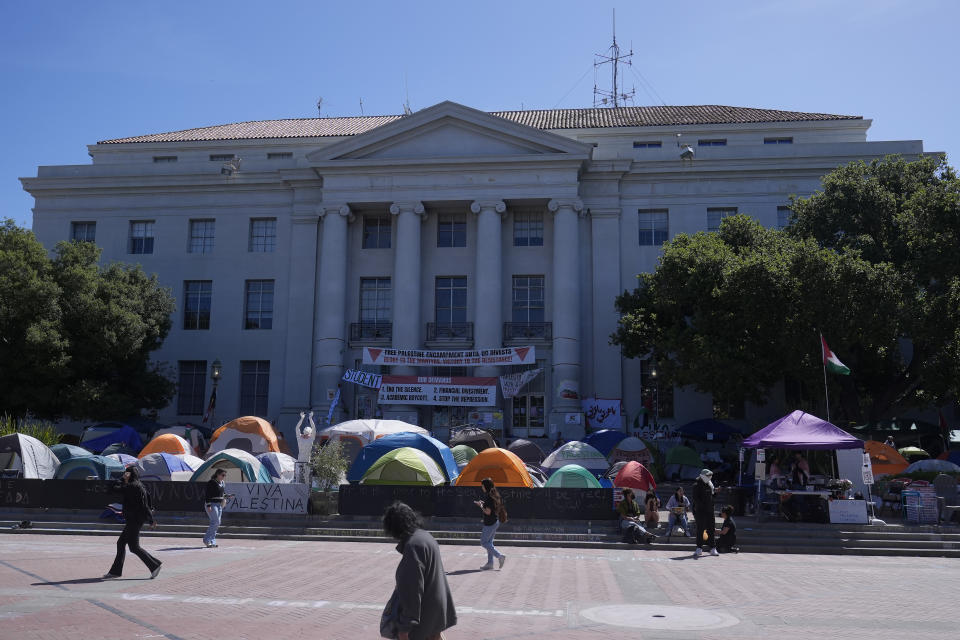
(136, 512)
(213, 503)
(704, 514)
(493, 514)
(421, 606)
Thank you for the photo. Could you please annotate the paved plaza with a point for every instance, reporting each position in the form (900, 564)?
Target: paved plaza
(261, 589)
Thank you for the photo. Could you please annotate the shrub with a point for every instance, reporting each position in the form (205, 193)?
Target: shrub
(329, 465)
(43, 431)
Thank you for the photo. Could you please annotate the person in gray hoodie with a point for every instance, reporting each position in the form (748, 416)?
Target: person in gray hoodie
(421, 606)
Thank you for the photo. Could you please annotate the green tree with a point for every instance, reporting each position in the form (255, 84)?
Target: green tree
(872, 261)
(91, 354)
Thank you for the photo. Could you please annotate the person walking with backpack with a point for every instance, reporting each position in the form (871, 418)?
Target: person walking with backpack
(136, 512)
(493, 514)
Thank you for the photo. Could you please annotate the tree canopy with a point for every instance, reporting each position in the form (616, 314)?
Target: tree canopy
(872, 261)
(75, 337)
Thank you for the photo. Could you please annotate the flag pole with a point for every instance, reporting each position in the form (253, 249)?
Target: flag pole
(826, 391)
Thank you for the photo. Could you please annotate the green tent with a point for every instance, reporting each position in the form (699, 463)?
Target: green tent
(573, 476)
(405, 466)
(684, 456)
(463, 454)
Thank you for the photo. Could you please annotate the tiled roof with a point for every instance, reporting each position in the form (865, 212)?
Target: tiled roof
(540, 119)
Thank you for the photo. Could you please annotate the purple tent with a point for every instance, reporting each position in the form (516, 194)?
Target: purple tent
(801, 430)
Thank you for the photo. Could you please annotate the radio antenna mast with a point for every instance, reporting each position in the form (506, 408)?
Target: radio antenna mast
(613, 97)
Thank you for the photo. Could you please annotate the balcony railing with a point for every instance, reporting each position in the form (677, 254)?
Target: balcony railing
(450, 332)
(517, 332)
(371, 332)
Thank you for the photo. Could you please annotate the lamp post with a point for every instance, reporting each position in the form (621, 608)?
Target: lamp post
(216, 372)
(656, 398)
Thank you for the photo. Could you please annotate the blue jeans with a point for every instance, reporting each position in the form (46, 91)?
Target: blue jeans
(215, 510)
(486, 541)
(673, 520)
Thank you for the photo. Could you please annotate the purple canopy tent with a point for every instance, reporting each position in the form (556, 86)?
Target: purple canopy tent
(801, 430)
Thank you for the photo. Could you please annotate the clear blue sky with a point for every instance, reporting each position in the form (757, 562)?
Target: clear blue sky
(73, 73)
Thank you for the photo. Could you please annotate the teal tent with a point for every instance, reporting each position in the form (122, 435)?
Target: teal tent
(239, 465)
(573, 476)
(82, 468)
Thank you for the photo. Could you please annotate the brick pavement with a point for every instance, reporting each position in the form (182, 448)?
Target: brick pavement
(331, 590)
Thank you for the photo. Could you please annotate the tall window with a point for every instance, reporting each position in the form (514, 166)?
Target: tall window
(376, 301)
(716, 214)
(528, 299)
(83, 231)
(196, 304)
(451, 231)
(201, 236)
(376, 232)
(191, 387)
(259, 305)
(451, 300)
(654, 227)
(141, 237)
(263, 235)
(254, 387)
(528, 230)
(783, 217)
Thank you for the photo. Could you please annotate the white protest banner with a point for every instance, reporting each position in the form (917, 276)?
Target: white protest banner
(438, 391)
(415, 358)
(512, 383)
(603, 413)
(363, 378)
(260, 497)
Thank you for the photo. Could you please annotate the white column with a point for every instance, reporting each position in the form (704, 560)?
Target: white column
(406, 278)
(329, 316)
(488, 280)
(566, 314)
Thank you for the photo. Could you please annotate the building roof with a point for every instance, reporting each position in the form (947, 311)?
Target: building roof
(540, 119)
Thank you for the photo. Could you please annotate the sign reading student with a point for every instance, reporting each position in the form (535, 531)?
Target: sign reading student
(438, 391)
(415, 358)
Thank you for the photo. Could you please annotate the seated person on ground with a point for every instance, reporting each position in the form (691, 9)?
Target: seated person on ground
(678, 505)
(727, 534)
(651, 510)
(629, 510)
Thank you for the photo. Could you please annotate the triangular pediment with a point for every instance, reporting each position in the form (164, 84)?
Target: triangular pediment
(448, 131)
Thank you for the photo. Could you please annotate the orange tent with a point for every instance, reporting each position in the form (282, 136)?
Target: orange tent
(504, 467)
(249, 433)
(884, 458)
(167, 443)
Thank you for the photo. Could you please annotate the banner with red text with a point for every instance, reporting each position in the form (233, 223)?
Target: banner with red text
(415, 358)
(438, 391)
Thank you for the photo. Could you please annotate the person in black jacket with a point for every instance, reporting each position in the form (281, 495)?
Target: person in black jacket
(213, 504)
(703, 513)
(136, 512)
(421, 606)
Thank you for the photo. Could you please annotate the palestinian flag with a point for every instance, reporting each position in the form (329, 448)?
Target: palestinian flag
(832, 362)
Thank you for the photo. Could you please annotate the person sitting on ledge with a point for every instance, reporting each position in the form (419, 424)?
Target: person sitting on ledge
(629, 510)
(727, 533)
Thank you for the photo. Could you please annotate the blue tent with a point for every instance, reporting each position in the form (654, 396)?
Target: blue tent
(707, 429)
(122, 434)
(66, 452)
(605, 440)
(434, 448)
(81, 468)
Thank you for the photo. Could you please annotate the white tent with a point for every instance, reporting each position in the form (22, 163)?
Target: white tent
(192, 461)
(29, 456)
(576, 453)
(355, 434)
(280, 465)
(191, 435)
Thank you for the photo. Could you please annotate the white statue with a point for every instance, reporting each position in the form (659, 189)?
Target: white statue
(305, 438)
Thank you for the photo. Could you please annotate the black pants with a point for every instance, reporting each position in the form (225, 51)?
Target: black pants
(705, 522)
(726, 541)
(130, 536)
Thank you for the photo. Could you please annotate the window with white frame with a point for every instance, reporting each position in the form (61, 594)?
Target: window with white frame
(451, 300)
(254, 387)
(258, 304)
(647, 144)
(201, 236)
(716, 214)
(654, 226)
(263, 235)
(527, 299)
(83, 231)
(716, 142)
(528, 230)
(197, 295)
(783, 217)
(451, 231)
(191, 387)
(376, 301)
(376, 232)
(141, 237)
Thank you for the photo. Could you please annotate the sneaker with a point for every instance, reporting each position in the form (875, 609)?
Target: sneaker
(502, 560)
(487, 567)
(153, 574)
(109, 576)
(714, 552)
(698, 552)
(651, 539)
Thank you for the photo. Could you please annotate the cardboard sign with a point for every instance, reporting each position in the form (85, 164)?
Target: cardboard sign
(363, 378)
(259, 497)
(416, 358)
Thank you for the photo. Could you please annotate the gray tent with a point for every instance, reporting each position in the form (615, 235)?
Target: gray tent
(28, 456)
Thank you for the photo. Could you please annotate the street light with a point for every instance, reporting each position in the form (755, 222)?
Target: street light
(216, 372)
(656, 398)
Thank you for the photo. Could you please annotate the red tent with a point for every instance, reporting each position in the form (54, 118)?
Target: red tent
(635, 476)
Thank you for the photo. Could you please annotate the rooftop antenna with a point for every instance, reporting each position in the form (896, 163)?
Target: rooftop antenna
(319, 105)
(406, 103)
(613, 97)
(361, 106)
